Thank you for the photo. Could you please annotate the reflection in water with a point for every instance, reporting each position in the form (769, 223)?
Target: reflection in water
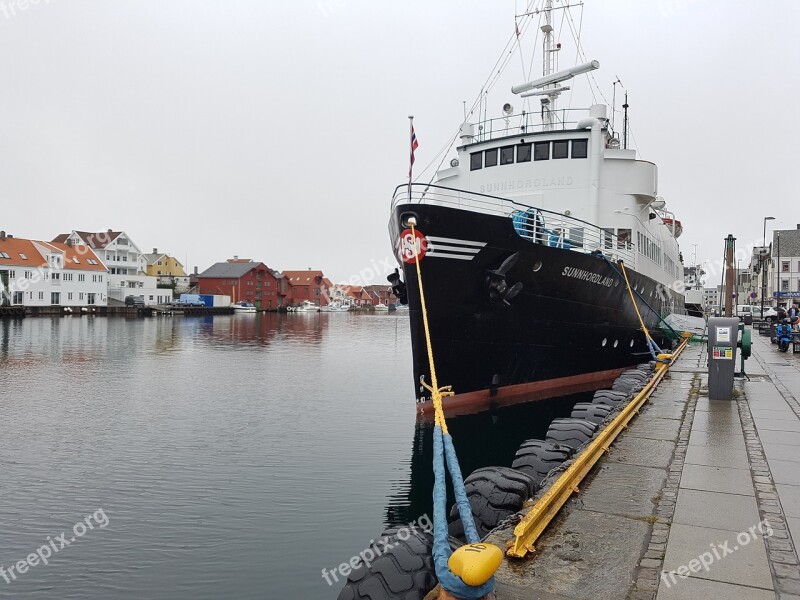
(482, 440)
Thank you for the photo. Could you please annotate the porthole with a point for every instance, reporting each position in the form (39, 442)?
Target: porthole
(616, 343)
(537, 266)
(631, 344)
(604, 342)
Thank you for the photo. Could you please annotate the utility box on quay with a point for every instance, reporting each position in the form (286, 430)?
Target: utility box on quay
(723, 334)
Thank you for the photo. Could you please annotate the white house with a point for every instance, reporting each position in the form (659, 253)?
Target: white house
(785, 276)
(127, 267)
(34, 273)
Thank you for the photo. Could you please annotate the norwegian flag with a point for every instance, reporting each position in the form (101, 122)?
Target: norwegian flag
(414, 146)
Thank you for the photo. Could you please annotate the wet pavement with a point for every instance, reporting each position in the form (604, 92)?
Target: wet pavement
(697, 498)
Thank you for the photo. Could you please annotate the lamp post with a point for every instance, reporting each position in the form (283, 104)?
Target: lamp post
(764, 266)
(778, 267)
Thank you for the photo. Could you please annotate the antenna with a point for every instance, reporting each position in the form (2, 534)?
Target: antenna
(614, 101)
(625, 123)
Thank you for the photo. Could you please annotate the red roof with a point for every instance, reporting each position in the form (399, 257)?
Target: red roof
(20, 253)
(98, 240)
(307, 278)
(77, 257)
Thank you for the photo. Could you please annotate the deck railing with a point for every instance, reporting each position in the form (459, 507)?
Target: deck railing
(537, 225)
(526, 123)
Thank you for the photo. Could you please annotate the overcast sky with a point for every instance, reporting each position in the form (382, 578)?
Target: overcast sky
(278, 130)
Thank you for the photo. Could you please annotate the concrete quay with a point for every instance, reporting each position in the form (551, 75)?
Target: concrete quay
(697, 498)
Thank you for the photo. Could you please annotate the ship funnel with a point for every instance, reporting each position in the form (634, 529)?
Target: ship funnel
(467, 133)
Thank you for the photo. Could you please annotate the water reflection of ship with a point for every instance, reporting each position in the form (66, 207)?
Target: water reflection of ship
(481, 440)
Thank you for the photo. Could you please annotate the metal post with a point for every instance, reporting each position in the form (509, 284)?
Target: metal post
(764, 265)
(729, 276)
(778, 268)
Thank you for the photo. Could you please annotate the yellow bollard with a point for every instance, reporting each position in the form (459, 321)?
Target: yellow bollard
(663, 361)
(475, 563)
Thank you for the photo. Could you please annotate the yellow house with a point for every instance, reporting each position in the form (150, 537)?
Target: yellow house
(167, 269)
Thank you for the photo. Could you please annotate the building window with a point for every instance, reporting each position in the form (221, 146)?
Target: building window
(81, 277)
(18, 297)
(491, 158)
(69, 295)
(12, 275)
(56, 276)
(475, 161)
(524, 153)
(22, 256)
(89, 298)
(541, 151)
(561, 149)
(28, 274)
(580, 148)
(41, 295)
(80, 296)
(784, 266)
(4, 255)
(507, 155)
(316, 291)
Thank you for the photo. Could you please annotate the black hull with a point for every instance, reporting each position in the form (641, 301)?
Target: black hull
(573, 317)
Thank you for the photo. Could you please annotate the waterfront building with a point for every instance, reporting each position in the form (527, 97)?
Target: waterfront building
(785, 278)
(381, 294)
(127, 268)
(244, 279)
(309, 285)
(168, 270)
(46, 274)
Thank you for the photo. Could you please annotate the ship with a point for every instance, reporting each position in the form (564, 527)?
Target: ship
(530, 246)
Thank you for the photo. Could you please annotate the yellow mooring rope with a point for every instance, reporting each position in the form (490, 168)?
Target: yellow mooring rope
(635, 306)
(437, 393)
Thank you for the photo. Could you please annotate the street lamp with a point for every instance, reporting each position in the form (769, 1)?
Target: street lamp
(778, 267)
(764, 264)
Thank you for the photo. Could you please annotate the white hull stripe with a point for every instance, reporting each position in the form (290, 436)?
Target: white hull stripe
(440, 247)
(445, 255)
(453, 241)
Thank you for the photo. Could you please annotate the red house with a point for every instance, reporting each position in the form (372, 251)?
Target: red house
(308, 285)
(243, 279)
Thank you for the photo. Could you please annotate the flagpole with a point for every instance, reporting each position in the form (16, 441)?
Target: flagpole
(411, 152)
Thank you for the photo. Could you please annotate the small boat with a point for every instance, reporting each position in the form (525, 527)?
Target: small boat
(244, 307)
(381, 307)
(335, 307)
(307, 307)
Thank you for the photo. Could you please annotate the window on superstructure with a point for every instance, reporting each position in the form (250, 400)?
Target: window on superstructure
(623, 239)
(507, 155)
(524, 153)
(541, 151)
(576, 237)
(580, 148)
(608, 238)
(490, 158)
(561, 149)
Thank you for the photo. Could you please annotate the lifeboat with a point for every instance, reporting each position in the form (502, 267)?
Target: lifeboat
(678, 227)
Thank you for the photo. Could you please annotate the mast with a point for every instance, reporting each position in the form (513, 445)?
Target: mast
(548, 67)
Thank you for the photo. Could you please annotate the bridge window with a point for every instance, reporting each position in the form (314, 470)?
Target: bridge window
(541, 151)
(561, 149)
(580, 148)
(524, 153)
(475, 161)
(507, 155)
(490, 160)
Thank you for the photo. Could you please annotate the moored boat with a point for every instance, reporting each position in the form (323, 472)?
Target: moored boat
(524, 244)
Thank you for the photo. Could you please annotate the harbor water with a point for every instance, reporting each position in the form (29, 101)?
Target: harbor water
(227, 457)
